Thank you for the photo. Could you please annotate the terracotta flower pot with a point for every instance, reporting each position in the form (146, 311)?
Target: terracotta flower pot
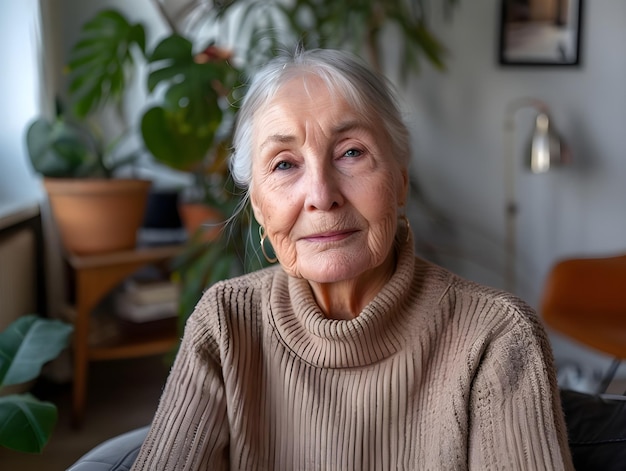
(200, 217)
(97, 215)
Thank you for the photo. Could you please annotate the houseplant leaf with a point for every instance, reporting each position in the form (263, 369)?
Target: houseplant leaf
(181, 132)
(26, 422)
(60, 149)
(173, 143)
(357, 25)
(100, 61)
(190, 83)
(27, 344)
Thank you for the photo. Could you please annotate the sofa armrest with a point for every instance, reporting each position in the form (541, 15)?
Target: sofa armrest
(117, 454)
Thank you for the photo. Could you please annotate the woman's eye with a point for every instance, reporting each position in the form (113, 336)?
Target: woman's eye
(353, 153)
(283, 165)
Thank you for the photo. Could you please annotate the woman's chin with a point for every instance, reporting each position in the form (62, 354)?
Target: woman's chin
(333, 269)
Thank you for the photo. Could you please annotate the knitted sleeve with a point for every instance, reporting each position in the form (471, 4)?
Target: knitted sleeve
(190, 428)
(516, 416)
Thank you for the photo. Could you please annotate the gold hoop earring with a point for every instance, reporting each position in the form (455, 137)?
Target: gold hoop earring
(263, 236)
(405, 219)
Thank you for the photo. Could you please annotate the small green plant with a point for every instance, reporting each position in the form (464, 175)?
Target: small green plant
(62, 148)
(26, 422)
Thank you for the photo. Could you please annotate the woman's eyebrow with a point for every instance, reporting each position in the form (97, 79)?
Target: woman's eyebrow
(349, 126)
(277, 139)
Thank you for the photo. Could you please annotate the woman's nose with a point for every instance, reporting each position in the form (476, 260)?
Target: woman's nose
(323, 189)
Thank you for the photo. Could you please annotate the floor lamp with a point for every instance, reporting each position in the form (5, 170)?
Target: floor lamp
(544, 150)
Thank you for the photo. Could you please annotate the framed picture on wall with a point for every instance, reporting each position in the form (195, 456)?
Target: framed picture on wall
(540, 32)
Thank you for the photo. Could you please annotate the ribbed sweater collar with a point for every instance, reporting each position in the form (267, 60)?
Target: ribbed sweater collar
(371, 337)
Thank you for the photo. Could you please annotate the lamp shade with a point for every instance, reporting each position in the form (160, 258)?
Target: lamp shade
(546, 149)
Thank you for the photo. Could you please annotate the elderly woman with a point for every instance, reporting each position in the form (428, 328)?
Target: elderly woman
(350, 353)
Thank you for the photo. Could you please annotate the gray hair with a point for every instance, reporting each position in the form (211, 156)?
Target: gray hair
(369, 93)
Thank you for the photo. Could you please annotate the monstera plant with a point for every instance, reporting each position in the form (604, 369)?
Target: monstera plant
(191, 86)
(25, 346)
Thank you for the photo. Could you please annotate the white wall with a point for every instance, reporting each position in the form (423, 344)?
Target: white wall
(461, 144)
(19, 102)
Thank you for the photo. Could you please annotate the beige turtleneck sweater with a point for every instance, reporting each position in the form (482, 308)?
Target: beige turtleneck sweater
(436, 373)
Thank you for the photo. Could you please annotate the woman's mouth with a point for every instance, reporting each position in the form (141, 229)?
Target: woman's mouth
(330, 236)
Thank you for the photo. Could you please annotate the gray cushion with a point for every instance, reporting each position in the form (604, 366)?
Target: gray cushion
(117, 454)
(596, 424)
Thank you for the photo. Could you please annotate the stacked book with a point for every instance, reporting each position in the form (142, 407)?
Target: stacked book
(144, 300)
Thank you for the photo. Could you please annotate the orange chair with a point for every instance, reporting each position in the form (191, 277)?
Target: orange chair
(585, 299)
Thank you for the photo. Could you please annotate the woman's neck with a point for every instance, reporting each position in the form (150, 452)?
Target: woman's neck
(345, 300)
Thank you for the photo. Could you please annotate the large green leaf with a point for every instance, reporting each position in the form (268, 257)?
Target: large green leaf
(61, 149)
(190, 85)
(172, 141)
(27, 344)
(181, 132)
(100, 61)
(26, 422)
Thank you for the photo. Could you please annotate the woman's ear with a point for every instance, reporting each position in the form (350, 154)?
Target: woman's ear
(258, 214)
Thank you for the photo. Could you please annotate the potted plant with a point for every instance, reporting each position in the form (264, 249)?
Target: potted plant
(25, 346)
(93, 211)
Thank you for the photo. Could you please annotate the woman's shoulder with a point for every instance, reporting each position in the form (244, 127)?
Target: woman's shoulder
(235, 294)
(227, 304)
(468, 297)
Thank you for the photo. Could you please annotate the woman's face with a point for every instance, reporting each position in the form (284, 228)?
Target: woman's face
(324, 184)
